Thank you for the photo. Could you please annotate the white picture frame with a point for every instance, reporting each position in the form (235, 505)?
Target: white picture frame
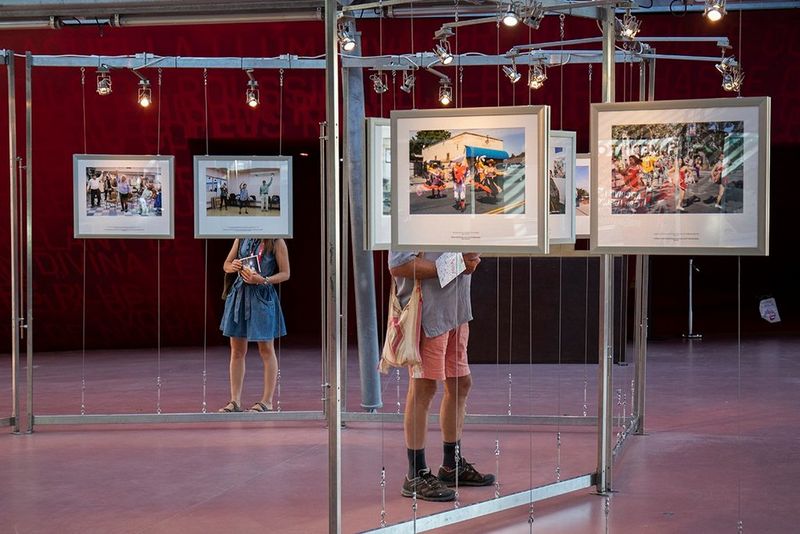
(101, 211)
(561, 184)
(378, 198)
(503, 209)
(708, 192)
(583, 194)
(261, 215)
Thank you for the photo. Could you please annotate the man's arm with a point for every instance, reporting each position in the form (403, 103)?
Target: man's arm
(418, 268)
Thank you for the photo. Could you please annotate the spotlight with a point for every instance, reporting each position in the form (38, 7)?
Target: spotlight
(512, 73)
(715, 10)
(628, 27)
(536, 76)
(732, 74)
(445, 92)
(346, 40)
(103, 80)
(378, 84)
(408, 81)
(145, 95)
(442, 51)
(510, 19)
(533, 16)
(251, 96)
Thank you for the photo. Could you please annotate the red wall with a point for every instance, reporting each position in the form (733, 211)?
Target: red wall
(122, 277)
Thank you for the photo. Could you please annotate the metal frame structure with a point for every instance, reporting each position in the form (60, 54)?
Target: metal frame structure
(335, 274)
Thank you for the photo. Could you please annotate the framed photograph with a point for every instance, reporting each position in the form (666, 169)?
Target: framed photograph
(561, 180)
(378, 214)
(470, 180)
(681, 177)
(242, 196)
(252, 263)
(583, 186)
(123, 196)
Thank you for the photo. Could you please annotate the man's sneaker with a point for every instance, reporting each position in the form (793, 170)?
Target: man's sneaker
(467, 475)
(427, 487)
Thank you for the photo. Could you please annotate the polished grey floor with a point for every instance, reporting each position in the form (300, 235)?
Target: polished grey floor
(722, 445)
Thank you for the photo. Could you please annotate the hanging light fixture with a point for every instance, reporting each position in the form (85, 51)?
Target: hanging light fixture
(732, 74)
(442, 51)
(144, 95)
(628, 27)
(251, 96)
(445, 92)
(510, 19)
(378, 83)
(533, 16)
(537, 76)
(346, 40)
(103, 80)
(511, 72)
(408, 81)
(715, 10)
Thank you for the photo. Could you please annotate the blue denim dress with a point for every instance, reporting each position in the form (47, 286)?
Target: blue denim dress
(253, 311)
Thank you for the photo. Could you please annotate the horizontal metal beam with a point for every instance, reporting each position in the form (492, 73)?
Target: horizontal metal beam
(146, 60)
(730, 6)
(215, 417)
(472, 511)
(482, 419)
(681, 57)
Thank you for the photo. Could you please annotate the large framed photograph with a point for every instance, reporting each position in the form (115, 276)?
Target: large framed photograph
(470, 179)
(123, 196)
(378, 214)
(583, 187)
(561, 180)
(242, 196)
(681, 177)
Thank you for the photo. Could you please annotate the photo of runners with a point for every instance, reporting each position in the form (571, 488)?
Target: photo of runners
(558, 181)
(694, 167)
(475, 171)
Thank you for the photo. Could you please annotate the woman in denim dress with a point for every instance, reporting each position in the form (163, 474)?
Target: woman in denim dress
(253, 313)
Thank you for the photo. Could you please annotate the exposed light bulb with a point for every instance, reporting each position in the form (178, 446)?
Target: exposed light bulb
(512, 73)
(445, 92)
(510, 19)
(145, 95)
(715, 10)
(103, 81)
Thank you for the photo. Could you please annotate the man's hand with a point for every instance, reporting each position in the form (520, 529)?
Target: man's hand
(471, 260)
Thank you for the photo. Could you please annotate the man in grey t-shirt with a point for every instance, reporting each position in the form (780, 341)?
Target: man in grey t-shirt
(446, 312)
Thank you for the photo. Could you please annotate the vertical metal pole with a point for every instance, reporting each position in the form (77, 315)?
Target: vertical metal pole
(333, 280)
(691, 334)
(604, 416)
(323, 140)
(12, 175)
(344, 248)
(640, 334)
(29, 233)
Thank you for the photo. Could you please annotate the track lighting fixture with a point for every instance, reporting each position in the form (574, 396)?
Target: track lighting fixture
(628, 27)
(512, 73)
(442, 51)
(732, 74)
(533, 16)
(715, 10)
(445, 92)
(346, 40)
(510, 19)
(408, 81)
(537, 76)
(251, 96)
(378, 83)
(103, 80)
(144, 94)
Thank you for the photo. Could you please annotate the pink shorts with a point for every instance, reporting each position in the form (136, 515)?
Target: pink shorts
(444, 356)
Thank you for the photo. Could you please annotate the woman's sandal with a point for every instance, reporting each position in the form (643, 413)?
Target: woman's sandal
(232, 406)
(260, 407)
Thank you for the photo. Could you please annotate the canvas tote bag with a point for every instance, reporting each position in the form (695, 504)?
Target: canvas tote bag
(401, 346)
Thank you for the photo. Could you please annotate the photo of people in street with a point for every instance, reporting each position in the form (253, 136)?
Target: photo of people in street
(694, 167)
(475, 171)
(115, 190)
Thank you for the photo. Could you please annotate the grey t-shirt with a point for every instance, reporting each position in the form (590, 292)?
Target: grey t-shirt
(443, 308)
